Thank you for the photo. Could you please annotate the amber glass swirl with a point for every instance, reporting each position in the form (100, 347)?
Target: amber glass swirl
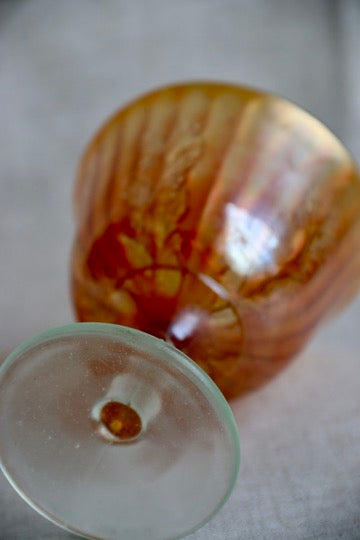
(223, 219)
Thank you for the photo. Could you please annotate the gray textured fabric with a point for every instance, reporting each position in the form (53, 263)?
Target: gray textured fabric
(64, 67)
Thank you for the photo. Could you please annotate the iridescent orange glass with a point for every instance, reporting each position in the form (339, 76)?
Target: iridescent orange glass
(222, 219)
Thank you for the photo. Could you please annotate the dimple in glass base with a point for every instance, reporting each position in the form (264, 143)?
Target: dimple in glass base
(112, 433)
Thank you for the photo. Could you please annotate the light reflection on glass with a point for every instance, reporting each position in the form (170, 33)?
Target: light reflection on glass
(250, 243)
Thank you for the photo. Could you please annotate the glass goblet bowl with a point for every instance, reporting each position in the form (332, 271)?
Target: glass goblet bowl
(223, 219)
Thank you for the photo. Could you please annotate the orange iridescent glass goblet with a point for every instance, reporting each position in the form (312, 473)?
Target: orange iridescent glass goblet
(222, 220)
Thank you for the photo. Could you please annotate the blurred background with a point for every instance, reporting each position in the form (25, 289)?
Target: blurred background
(64, 67)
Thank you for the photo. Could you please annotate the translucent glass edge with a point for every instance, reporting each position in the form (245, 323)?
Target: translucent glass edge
(39, 509)
(178, 357)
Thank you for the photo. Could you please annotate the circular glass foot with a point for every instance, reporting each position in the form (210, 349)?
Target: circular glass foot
(112, 433)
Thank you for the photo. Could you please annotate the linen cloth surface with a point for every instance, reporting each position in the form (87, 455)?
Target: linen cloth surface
(64, 67)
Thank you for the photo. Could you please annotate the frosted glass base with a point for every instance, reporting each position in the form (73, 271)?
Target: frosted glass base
(156, 463)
